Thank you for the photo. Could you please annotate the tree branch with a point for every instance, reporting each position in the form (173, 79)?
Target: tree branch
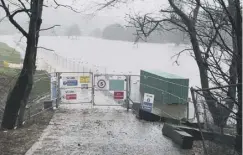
(11, 19)
(65, 6)
(19, 11)
(178, 55)
(40, 47)
(49, 28)
(23, 5)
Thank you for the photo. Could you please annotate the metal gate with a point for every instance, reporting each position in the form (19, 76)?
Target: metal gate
(96, 89)
(75, 87)
(110, 90)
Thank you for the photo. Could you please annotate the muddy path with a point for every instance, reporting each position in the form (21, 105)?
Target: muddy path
(78, 129)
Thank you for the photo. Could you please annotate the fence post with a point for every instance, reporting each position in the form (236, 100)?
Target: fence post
(187, 110)
(93, 93)
(199, 125)
(127, 91)
(58, 90)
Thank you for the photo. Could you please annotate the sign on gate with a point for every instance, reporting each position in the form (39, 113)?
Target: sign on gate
(76, 87)
(84, 86)
(148, 101)
(84, 79)
(70, 81)
(116, 85)
(101, 84)
(71, 96)
(119, 95)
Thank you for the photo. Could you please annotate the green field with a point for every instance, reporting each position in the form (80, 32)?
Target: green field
(41, 79)
(41, 85)
(9, 54)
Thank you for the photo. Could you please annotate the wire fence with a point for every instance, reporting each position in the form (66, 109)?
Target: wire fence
(7, 80)
(216, 111)
(50, 62)
(40, 90)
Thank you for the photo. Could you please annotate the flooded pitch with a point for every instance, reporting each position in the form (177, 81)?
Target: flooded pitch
(85, 130)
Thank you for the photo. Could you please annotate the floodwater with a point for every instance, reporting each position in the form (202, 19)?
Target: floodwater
(116, 57)
(80, 129)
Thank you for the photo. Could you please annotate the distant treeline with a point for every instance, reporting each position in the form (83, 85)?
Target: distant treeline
(111, 32)
(119, 32)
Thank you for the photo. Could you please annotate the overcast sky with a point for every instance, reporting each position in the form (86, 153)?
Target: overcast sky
(116, 13)
(88, 6)
(101, 19)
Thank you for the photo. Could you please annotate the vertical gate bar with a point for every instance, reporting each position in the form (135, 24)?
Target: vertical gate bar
(58, 89)
(92, 83)
(127, 91)
(130, 85)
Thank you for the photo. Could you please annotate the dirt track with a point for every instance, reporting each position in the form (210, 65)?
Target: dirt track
(76, 129)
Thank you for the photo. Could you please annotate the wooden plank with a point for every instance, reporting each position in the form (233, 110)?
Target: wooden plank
(192, 131)
(180, 137)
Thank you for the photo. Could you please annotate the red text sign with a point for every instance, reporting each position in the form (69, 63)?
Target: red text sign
(71, 96)
(119, 95)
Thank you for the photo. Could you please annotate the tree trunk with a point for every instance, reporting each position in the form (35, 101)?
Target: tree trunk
(23, 106)
(237, 16)
(34, 28)
(20, 119)
(209, 99)
(24, 82)
(219, 118)
(13, 101)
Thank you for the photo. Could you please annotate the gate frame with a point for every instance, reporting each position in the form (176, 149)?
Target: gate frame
(93, 86)
(126, 90)
(59, 89)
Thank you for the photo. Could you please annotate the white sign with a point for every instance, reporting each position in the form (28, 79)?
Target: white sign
(101, 83)
(148, 98)
(70, 91)
(84, 86)
(65, 78)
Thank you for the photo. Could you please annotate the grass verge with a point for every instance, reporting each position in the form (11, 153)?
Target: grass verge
(17, 142)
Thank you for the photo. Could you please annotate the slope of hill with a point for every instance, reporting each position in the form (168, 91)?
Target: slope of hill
(9, 54)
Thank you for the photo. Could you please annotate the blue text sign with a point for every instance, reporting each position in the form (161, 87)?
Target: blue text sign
(148, 102)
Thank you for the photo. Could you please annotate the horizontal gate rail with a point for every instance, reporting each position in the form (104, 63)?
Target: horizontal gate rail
(76, 72)
(114, 105)
(78, 87)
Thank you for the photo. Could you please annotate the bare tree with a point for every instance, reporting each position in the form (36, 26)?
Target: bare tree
(20, 92)
(214, 30)
(17, 98)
